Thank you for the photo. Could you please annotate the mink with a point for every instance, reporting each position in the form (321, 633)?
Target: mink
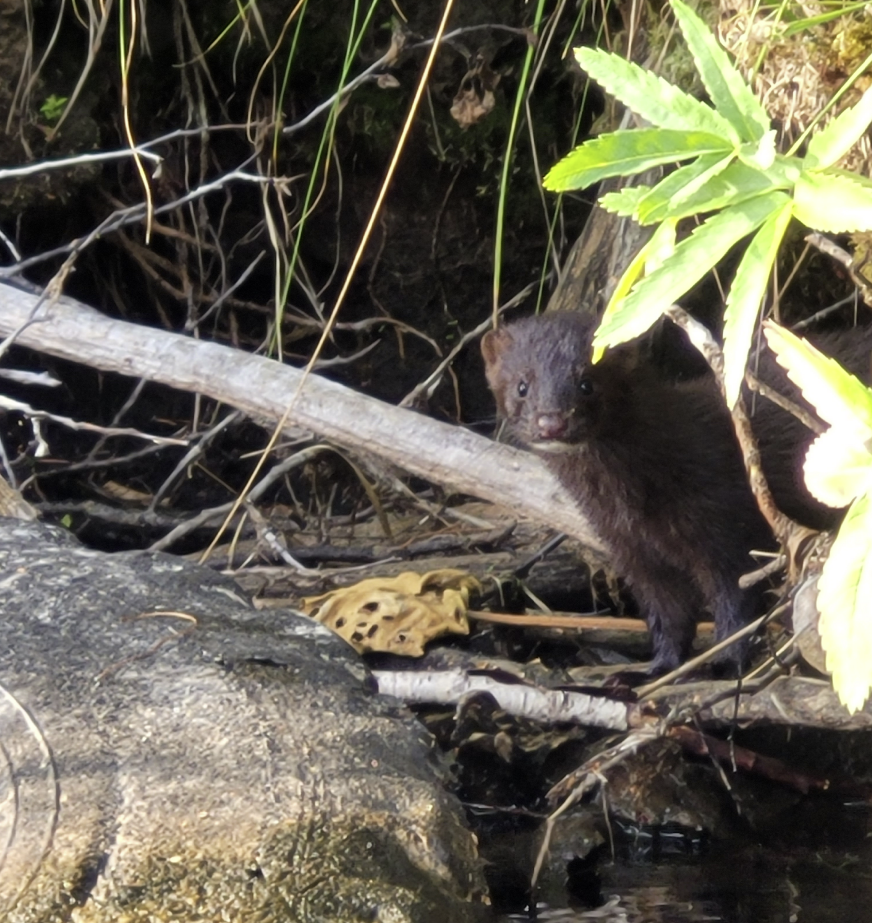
(653, 464)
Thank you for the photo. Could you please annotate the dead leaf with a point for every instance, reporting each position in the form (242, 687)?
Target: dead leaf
(397, 615)
(399, 37)
(805, 626)
(125, 494)
(475, 98)
(807, 550)
(13, 504)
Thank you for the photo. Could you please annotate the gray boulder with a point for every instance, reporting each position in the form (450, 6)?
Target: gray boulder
(209, 763)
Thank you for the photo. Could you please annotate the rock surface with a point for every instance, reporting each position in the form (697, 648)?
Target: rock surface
(209, 763)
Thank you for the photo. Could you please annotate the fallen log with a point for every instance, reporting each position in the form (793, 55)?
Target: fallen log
(448, 455)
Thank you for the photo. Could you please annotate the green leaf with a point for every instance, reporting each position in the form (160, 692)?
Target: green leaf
(785, 171)
(736, 184)
(834, 141)
(833, 202)
(761, 155)
(692, 259)
(625, 201)
(746, 295)
(840, 398)
(53, 107)
(650, 96)
(622, 153)
(659, 247)
(838, 468)
(731, 96)
(844, 602)
(668, 195)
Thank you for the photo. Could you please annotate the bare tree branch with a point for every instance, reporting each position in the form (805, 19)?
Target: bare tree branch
(447, 455)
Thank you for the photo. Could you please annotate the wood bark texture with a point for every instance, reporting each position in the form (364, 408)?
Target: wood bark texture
(447, 455)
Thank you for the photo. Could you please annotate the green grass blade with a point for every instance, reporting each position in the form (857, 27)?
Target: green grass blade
(692, 259)
(833, 202)
(622, 153)
(651, 97)
(834, 141)
(746, 295)
(800, 25)
(508, 155)
(731, 96)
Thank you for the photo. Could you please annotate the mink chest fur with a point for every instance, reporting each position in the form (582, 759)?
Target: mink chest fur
(654, 465)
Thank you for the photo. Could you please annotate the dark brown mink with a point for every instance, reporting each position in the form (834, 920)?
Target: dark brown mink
(654, 465)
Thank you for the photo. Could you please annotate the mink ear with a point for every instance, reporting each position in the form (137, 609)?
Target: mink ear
(494, 343)
(626, 357)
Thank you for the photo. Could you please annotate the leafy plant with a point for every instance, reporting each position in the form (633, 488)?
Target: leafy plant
(734, 178)
(52, 108)
(838, 472)
(734, 175)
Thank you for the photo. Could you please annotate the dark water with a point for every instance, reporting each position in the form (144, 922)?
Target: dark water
(813, 875)
(751, 886)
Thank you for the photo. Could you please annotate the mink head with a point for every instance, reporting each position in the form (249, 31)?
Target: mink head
(547, 390)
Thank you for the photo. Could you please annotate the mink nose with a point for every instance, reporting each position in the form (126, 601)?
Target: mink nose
(551, 425)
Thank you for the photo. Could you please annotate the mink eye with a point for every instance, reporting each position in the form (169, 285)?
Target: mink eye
(523, 389)
(585, 386)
